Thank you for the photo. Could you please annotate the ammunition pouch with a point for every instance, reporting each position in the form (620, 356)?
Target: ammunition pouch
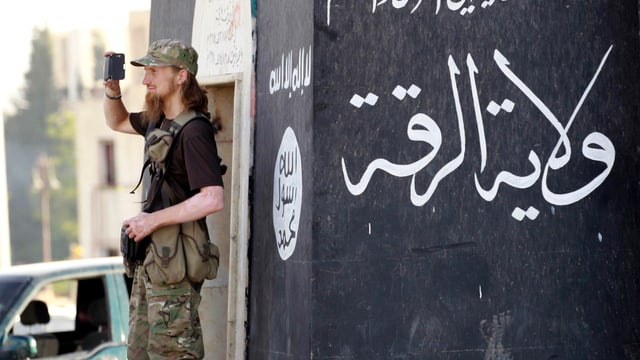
(181, 252)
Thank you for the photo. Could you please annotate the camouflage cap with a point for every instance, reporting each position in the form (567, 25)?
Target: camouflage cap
(169, 52)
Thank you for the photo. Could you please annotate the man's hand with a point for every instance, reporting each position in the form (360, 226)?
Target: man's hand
(112, 87)
(208, 200)
(139, 226)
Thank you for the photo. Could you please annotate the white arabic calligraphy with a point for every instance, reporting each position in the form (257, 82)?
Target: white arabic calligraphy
(290, 76)
(596, 146)
(287, 194)
(452, 5)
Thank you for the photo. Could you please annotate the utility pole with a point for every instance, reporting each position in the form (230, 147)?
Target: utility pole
(44, 180)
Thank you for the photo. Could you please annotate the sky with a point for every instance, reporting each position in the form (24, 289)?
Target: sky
(19, 18)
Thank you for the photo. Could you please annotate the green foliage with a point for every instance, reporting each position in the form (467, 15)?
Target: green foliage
(40, 97)
(37, 127)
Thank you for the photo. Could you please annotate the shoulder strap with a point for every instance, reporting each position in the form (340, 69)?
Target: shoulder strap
(174, 129)
(147, 161)
(162, 188)
(167, 192)
(181, 120)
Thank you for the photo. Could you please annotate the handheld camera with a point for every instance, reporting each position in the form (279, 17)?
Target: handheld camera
(114, 67)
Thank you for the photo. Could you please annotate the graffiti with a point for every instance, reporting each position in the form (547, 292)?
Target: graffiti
(287, 194)
(291, 76)
(217, 29)
(462, 7)
(422, 128)
(225, 34)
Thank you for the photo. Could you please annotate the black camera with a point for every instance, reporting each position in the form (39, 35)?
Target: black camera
(127, 245)
(131, 250)
(114, 67)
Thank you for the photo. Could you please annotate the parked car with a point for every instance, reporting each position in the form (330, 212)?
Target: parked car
(72, 309)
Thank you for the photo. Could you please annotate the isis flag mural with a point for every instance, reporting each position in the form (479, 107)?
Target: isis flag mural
(440, 179)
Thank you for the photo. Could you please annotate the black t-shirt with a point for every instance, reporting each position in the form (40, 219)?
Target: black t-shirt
(194, 161)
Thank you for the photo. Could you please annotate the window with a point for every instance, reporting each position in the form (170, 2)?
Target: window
(107, 163)
(67, 316)
(53, 309)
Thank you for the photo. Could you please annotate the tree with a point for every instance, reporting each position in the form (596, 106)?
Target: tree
(37, 128)
(40, 98)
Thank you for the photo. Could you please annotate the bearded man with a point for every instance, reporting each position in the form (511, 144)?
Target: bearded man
(164, 321)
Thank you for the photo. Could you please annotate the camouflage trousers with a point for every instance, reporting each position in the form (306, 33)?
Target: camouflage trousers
(163, 320)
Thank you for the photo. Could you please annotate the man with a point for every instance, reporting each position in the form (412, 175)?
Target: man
(164, 321)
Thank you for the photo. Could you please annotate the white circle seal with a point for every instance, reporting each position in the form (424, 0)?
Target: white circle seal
(287, 194)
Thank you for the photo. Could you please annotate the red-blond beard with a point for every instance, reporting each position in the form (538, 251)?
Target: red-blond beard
(154, 104)
(153, 107)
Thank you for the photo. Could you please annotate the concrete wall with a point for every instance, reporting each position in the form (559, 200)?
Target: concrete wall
(281, 299)
(171, 19)
(458, 181)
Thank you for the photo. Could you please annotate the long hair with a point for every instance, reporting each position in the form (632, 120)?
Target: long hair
(194, 96)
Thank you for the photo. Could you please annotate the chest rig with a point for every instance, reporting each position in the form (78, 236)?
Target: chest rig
(158, 149)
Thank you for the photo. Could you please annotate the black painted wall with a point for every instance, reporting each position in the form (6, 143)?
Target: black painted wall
(280, 301)
(416, 111)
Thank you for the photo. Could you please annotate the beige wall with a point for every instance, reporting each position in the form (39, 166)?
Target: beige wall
(215, 293)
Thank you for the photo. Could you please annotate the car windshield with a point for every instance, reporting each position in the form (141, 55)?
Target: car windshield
(9, 289)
